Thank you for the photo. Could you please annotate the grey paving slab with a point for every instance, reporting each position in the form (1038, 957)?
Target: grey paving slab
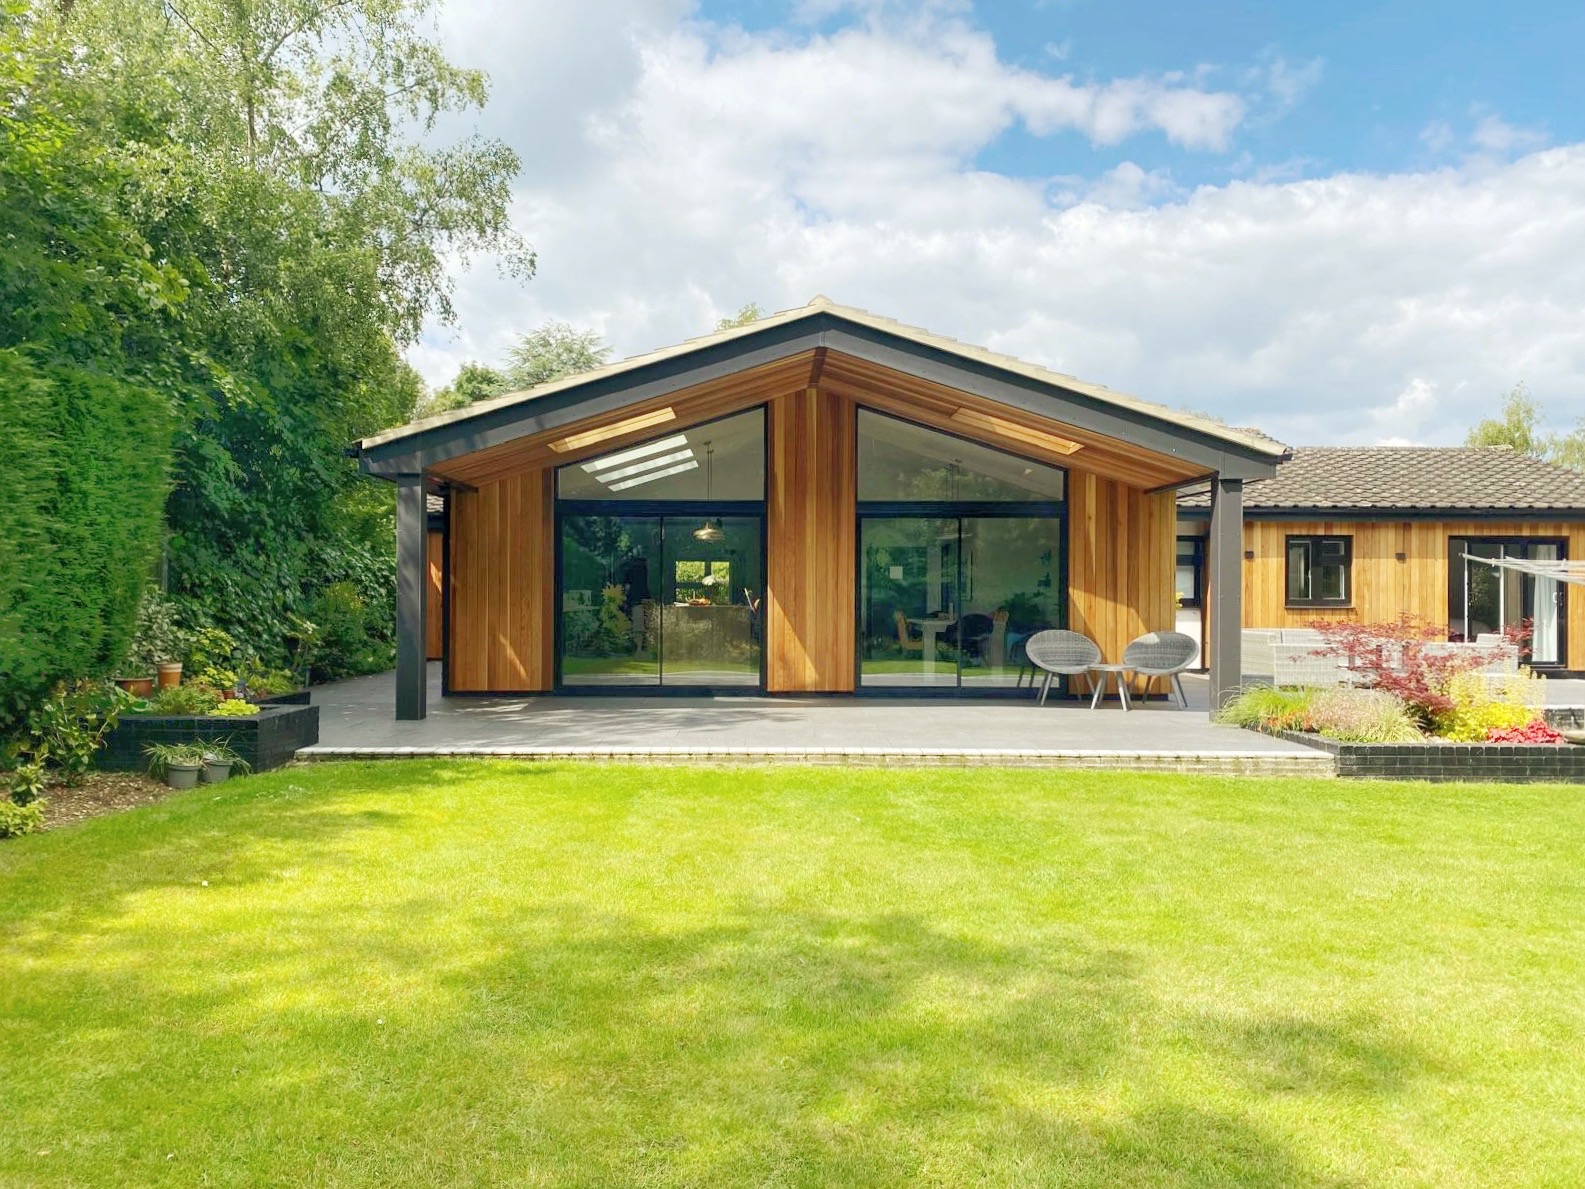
(359, 714)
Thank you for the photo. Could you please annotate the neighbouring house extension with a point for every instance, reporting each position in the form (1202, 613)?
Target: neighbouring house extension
(1369, 533)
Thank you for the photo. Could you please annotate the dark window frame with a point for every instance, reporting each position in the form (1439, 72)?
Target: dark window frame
(1315, 541)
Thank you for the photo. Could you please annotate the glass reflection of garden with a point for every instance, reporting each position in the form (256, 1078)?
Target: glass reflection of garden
(646, 601)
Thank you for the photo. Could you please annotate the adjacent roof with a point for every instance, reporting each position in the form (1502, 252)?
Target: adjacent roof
(1411, 478)
(822, 307)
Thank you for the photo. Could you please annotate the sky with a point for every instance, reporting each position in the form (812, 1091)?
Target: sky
(1341, 223)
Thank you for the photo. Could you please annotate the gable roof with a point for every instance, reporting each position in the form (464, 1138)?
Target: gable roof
(819, 317)
(1378, 479)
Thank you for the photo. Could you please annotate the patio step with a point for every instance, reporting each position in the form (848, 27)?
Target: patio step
(1209, 763)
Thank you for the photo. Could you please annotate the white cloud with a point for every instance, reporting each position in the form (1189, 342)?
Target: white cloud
(1495, 135)
(689, 169)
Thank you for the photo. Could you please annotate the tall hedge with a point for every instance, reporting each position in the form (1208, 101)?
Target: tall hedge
(84, 466)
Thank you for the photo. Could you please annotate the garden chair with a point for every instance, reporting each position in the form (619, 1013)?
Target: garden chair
(1060, 653)
(1161, 654)
(905, 639)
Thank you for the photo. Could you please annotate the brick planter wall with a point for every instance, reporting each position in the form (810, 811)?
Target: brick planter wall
(266, 740)
(298, 697)
(1505, 763)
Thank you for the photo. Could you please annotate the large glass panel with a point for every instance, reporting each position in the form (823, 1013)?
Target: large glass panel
(1009, 589)
(901, 461)
(1485, 599)
(908, 600)
(720, 460)
(709, 612)
(610, 598)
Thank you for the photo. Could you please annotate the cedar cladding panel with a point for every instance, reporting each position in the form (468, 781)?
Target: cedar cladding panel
(502, 581)
(1384, 587)
(1121, 558)
(435, 608)
(811, 513)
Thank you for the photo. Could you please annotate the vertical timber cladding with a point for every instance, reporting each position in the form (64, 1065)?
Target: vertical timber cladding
(435, 607)
(1121, 556)
(502, 586)
(1383, 586)
(812, 515)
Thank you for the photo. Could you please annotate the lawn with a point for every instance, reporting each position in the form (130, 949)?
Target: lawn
(456, 974)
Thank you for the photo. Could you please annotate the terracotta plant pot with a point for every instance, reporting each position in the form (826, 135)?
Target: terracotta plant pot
(182, 776)
(138, 687)
(170, 674)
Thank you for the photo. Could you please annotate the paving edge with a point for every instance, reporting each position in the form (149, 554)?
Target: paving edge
(1236, 763)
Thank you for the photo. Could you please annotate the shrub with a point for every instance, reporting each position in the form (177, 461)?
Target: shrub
(69, 726)
(1404, 658)
(1480, 705)
(1268, 709)
(1538, 731)
(16, 820)
(236, 708)
(266, 683)
(188, 698)
(156, 639)
(1360, 716)
(347, 643)
(83, 493)
(27, 782)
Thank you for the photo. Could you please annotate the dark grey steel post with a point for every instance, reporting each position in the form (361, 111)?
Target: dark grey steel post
(412, 597)
(1227, 588)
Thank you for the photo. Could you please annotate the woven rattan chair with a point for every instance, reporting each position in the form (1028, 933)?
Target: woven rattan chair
(1162, 654)
(1060, 653)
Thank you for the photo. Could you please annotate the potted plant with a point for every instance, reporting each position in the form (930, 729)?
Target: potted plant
(220, 761)
(156, 643)
(177, 763)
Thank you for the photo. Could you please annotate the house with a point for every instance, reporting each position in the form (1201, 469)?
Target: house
(1370, 533)
(822, 501)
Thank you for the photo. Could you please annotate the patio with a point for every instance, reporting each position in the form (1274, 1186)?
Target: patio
(355, 722)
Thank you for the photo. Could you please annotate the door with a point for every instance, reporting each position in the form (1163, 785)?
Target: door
(1485, 599)
(661, 601)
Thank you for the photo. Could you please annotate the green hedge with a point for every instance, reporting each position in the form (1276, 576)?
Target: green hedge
(86, 460)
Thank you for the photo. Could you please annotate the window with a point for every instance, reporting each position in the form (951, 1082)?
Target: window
(900, 462)
(1318, 571)
(720, 460)
(1191, 563)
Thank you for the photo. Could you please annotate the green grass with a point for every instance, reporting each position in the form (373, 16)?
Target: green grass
(459, 974)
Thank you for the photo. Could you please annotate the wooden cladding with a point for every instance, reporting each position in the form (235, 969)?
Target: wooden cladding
(1121, 555)
(1382, 586)
(433, 628)
(503, 586)
(811, 512)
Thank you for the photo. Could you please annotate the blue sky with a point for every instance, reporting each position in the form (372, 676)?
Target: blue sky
(1342, 222)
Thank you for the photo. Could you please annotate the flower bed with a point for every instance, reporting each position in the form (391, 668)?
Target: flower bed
(265, 740)
(1502, 763)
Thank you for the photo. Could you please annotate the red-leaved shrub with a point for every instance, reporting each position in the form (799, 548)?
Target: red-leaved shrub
(1408, 658)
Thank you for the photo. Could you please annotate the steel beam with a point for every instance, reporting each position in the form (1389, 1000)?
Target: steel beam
(1226, 563)
(412, 597)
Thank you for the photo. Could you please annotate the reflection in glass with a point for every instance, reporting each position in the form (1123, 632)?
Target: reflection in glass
(645, 602)
(1485, 599)
(948, 601)
(902, 461)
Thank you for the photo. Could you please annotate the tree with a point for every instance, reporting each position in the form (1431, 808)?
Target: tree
(474, 381)
(749, 312)
(274, 162)
(553, 352)
(1518, 428)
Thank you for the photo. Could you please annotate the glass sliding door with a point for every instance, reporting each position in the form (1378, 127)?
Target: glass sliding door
(947, 601)
(610, 586)
(709, 610)
(1485, 599)
(1011, 588)
(908, 597)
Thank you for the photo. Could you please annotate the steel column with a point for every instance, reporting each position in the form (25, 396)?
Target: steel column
(1226, 564)
(412, 597)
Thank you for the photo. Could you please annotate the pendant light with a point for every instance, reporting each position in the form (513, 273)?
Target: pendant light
(707, 532)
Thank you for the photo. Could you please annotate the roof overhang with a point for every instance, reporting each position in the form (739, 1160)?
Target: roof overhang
(1185, 445)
